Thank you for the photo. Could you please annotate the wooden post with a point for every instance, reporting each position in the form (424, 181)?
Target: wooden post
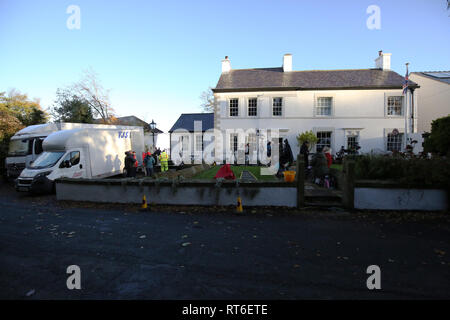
(348, 196)
(300, 181)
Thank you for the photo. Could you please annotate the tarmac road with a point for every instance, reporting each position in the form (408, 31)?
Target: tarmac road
(127, 254)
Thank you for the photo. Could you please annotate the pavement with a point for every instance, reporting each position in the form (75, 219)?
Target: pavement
(213, 253)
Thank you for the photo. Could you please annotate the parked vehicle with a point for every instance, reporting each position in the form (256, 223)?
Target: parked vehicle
(26, 145)
(80, 153)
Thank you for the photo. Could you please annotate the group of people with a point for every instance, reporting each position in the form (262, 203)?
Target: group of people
(320, 163)
(149, 161)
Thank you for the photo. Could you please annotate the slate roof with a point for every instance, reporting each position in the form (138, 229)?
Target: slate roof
(433, 75)
(135, 121)
(275, 79)
(186, 121)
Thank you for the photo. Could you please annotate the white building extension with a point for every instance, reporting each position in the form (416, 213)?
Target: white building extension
(342, 107)
(433, 98)
(192, 138)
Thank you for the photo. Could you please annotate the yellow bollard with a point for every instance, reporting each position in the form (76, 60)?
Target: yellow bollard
(144, 202)
(239, 205)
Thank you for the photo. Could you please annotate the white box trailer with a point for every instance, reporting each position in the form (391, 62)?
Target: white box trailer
(88, 153)
(26, 145)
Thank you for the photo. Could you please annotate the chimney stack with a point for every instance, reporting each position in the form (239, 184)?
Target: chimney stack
(383, 61)
(287, 62)
(226, 65)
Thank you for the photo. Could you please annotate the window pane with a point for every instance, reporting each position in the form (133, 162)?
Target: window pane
(252, 107)
(324, 106)
(234, 107)
(277, 106)
(74, 158)
(394, 142)
(198, 143)
(395, 106)
(324, 140)
(352, 142)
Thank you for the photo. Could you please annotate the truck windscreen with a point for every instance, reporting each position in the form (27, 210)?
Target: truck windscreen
(46, 160)
(18, 148)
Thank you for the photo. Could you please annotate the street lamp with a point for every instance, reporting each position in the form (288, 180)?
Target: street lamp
(152, 127)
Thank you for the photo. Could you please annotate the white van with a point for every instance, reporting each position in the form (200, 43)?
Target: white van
(80, 153)
(26, 145)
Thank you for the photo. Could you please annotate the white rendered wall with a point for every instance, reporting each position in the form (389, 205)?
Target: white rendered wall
(364, 110)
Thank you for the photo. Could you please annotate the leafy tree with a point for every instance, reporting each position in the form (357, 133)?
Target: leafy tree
(207, 100)
(438, 141)
(307, 136)
(71, 108)
(16, 112)
(27, 111)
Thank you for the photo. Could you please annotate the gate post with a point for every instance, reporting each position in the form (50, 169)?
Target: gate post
(300, 181)
(348, 196)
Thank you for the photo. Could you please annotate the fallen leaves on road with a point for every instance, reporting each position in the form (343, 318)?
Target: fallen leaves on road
(143, 237)
(31, 292)
(185, 244)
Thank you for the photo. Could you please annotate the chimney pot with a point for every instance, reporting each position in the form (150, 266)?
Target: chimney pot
(287, 62)
(226, 65)
(383, 61)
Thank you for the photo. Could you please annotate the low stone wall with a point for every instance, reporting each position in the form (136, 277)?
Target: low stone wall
(394, 196)
(178, 193)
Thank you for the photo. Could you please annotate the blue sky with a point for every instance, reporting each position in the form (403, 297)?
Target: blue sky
(157, 57)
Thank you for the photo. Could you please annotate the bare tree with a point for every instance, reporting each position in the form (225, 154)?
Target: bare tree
(89, 89)
(207, 98)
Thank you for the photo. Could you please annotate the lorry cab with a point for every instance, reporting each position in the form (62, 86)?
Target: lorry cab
(22, 152)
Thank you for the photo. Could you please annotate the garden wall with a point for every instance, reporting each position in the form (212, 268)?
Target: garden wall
(178, 193)
(394, 196)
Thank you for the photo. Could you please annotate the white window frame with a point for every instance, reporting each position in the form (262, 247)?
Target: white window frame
(331, 138)
(387, 105)
(248, 107)
(229, 107)
(388, 131)
(197, 143)
(233, 143)
(316, 105)
(281, 107)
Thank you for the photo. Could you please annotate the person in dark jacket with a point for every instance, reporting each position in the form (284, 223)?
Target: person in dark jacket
(288, 153)
(129, 161)
(304, 150)
(269, 153)
(320, 166)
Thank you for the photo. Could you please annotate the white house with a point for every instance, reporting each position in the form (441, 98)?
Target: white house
(433, 98)
(342, 107)
(191, 137)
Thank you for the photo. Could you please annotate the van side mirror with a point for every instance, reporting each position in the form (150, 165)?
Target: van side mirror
(67, 164)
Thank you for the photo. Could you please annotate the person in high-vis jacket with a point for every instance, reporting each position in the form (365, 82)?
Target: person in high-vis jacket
(164, 160)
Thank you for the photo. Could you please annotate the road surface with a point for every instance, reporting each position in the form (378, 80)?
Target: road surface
(198, 254)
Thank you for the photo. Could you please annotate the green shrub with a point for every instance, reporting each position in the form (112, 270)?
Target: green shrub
(435, 171)
(438, 141)
(307, 136)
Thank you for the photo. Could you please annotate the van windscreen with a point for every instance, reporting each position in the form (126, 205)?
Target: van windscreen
(47, 159)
